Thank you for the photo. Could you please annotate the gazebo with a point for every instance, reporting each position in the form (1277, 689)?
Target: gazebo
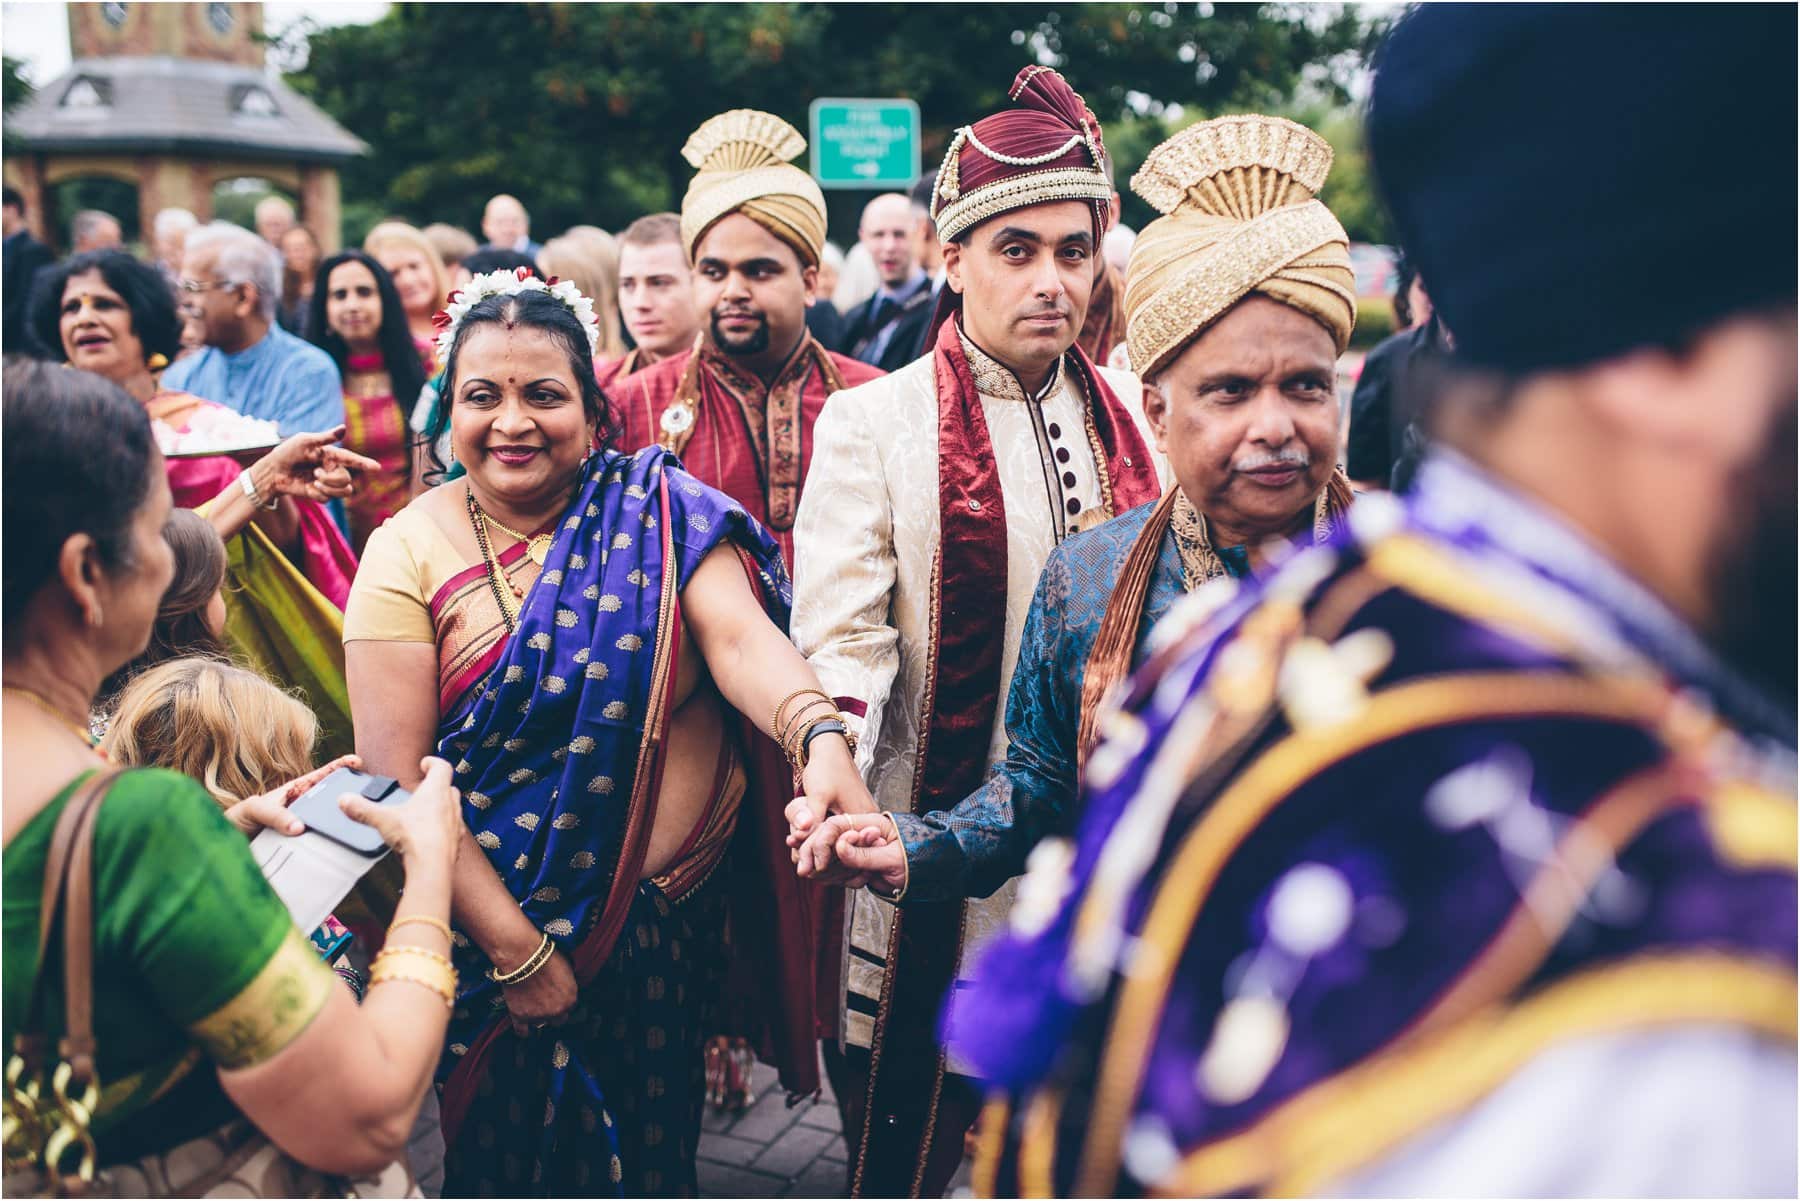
(174, 99)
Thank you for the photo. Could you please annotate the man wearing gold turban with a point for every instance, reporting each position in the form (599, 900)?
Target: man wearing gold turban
(739, 408)
(1238, 302)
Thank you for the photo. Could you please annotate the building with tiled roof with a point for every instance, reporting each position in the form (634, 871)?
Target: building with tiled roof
(175, 98)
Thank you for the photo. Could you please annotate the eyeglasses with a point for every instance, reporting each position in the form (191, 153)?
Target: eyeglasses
(193, 287)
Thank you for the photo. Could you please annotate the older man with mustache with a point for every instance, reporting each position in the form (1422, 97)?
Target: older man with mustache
(1236, 345)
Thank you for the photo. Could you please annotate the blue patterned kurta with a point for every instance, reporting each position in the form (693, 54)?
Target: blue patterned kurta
(980, 844)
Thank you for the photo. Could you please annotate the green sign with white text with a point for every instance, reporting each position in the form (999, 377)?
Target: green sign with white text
(864, 143)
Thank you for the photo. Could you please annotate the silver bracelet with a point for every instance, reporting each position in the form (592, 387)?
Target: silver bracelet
(249, 487)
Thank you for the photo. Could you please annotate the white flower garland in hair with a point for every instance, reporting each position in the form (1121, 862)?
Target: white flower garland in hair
(511, 283)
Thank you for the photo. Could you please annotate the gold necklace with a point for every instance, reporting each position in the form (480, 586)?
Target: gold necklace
(536, 545)
(80, 731)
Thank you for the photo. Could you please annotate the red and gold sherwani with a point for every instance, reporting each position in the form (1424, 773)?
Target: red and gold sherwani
(750, 440)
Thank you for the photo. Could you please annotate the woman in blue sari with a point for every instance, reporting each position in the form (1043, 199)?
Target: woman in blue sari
(574, 629)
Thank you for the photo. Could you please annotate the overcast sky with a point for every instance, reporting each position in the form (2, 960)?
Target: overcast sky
(37, 31)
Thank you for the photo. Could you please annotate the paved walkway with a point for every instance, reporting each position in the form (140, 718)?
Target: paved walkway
(769, 1150)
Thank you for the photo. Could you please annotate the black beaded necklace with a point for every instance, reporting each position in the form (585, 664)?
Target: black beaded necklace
(508, 613)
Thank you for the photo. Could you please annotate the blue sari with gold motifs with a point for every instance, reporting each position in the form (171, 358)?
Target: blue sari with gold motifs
(557, 754)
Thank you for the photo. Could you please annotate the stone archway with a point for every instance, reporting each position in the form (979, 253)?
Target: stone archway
(70, 187)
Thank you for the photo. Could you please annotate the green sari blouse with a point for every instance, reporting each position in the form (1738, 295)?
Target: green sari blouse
(195, 958)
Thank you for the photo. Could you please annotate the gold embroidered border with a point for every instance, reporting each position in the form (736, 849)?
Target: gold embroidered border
(1021, 191)
(1263, 784)
(272, 1010)
(1223, 274)
(1345, 1122)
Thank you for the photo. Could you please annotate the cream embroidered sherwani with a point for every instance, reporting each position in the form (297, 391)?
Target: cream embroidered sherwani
(865, 540)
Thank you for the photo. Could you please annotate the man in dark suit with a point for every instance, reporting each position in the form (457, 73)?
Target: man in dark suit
(885, 330)
(21, 256)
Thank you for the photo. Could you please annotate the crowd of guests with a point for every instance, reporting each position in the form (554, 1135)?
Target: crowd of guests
(987, 669)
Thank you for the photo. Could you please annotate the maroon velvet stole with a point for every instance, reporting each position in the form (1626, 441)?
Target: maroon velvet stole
(962, 691)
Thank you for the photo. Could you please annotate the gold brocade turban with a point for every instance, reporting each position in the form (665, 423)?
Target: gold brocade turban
(742, 158)
(1241, 218)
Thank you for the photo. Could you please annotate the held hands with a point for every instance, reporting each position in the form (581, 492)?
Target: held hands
(856, 850)
(832, 785)
(836, 832)
(310, 467)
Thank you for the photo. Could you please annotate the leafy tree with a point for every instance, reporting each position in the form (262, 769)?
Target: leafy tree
(581, 110)
(14, 90)
(14, 87)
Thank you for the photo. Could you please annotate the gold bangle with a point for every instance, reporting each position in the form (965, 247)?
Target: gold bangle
(445, 988)
(775, 722)
(420, 953)
(420, 919)
(529, 968)
(800, 713)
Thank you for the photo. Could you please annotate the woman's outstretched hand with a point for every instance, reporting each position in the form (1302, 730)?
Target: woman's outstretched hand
(311, 467)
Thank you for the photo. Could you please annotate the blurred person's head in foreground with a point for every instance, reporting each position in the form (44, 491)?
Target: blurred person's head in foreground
(1622, 317)
(86, 499)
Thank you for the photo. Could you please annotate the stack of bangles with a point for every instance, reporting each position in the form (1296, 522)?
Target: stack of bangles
(529, 968)
(416, 965)
(797, 734)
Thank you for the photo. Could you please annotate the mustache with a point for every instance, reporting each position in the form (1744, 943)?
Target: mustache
(1297, 457)
(724, 311)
